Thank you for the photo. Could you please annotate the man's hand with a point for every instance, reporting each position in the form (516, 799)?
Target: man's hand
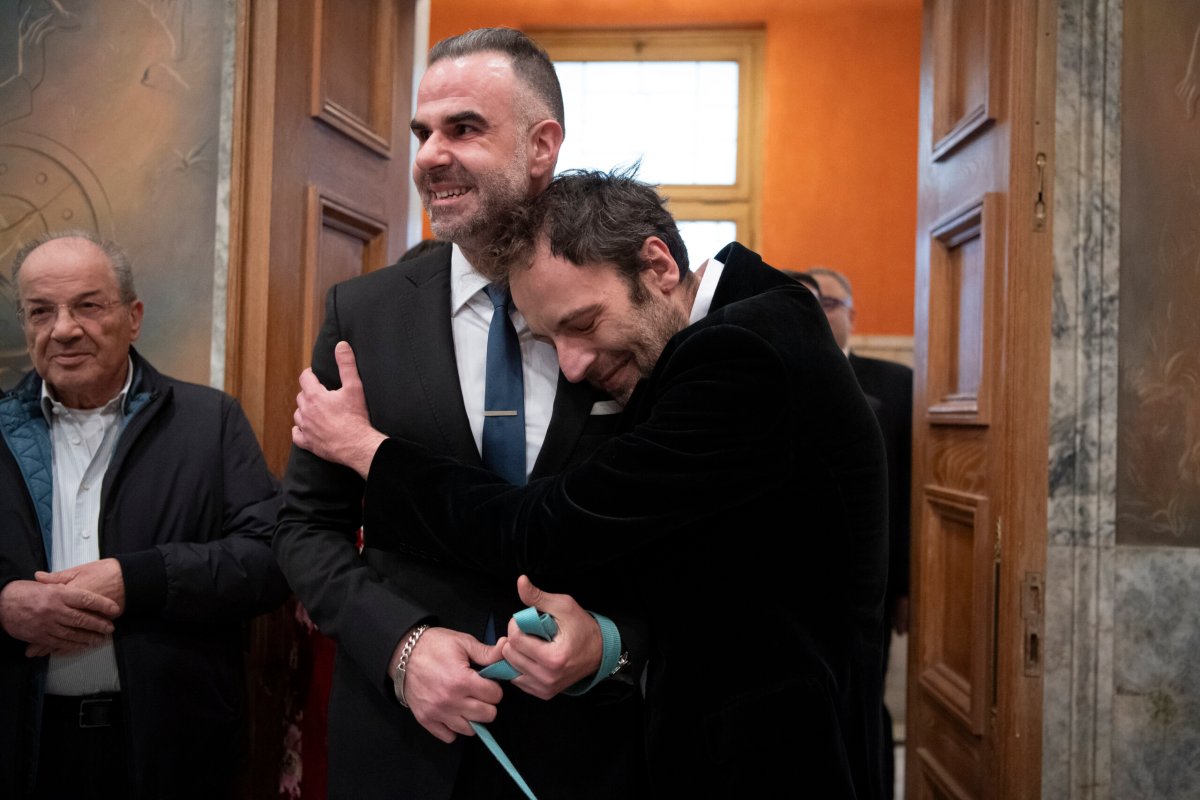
(574, 654)
(55, 619)
(443, 690)
(335, 425)
(102, 577)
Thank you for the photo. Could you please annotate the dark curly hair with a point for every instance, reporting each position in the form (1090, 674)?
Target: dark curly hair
(590, 217)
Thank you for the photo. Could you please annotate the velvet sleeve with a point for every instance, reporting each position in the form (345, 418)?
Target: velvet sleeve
(701, 445)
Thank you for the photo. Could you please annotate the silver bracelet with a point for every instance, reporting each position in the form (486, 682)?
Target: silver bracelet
(402, 664)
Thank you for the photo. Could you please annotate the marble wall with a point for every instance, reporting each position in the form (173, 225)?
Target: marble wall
(1122, 689)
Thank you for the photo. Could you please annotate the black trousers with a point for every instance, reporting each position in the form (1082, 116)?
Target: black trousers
(83, 751)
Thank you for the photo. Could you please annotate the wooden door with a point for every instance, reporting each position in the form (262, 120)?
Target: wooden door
(321, 182)
(981, 404)
(320, 193)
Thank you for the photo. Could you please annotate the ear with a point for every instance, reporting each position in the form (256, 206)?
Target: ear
(660, 273)
(545, 139)
(135, 315)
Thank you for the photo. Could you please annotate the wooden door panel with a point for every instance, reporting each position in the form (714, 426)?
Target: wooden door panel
(956, 604)
(957, 457)
(341, 242)
(981, 389)
(966, 75)
(323, 190)
(965, 307)
(354, 69)
(936, 781)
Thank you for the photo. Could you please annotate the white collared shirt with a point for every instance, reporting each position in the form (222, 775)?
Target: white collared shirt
(82, 442)
(470, 317)
(708, 287)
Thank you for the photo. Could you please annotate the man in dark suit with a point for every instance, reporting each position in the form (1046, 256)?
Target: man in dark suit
(746, 492)
(488, 125)
(889, 386)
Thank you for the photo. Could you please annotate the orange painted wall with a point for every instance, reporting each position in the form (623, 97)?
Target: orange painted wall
(839, 145)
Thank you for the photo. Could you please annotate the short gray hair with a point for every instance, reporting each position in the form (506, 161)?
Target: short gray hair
(118, 259)
(837, 276)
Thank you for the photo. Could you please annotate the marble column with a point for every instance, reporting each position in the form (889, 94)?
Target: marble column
(1122, 680)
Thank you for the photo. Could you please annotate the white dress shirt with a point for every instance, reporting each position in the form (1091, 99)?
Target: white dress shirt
(470, 317)
(82, 442)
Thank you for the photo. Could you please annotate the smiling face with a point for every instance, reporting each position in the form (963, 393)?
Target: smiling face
(83, 360)
(479, 152)
(602, 333)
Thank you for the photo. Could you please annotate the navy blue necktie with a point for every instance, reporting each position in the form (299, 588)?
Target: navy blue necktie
(504, 395)
(503, 405)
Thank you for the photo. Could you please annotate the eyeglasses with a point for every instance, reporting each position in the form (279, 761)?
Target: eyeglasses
(45, 314)
(830, 303)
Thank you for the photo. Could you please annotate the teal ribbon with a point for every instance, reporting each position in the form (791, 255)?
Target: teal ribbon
(535, 623)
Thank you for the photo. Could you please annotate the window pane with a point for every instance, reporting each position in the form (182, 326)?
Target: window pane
(704, 238)
(678, 117)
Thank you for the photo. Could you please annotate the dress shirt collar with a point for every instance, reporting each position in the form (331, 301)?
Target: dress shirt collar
(464, 280)
(51, 406)
(708, 287)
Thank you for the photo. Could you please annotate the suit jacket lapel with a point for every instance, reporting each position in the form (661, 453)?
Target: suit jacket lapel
(425, 320)
(572, 405)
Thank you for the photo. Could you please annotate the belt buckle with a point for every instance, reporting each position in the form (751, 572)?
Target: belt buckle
(96, 701)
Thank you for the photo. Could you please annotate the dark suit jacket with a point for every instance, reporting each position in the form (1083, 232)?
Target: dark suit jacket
(748, 492)
(892, 385)
(398, 322)
(187, 509)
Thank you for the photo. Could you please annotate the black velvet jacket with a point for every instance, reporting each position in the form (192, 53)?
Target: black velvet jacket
(748, 494)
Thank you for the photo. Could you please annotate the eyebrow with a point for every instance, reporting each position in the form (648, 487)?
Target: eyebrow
(454, 119)
(75, 299)
(571, 316)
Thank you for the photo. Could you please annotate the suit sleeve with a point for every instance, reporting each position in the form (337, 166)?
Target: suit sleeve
(236, 573)
(316, 545)
(699, 451)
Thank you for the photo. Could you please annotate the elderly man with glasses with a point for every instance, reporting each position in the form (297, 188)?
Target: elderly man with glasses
(136, 515)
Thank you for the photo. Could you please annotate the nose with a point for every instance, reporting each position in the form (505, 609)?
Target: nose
(573, 359)
(65, 326)
(431, 154)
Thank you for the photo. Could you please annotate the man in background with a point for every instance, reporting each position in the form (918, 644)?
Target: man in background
(890, 385)
(136, 514)
(488, 126)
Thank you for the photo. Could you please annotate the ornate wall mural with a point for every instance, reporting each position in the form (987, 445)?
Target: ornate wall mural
(1158, 488)
(109, 121)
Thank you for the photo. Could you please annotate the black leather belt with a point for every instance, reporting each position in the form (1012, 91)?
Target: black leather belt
(88, 711)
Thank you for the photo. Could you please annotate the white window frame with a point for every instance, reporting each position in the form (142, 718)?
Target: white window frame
(738, 201)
